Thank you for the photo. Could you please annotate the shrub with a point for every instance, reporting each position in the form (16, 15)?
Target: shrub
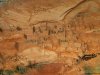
(1, 72)
(35, 65)
(88, 70)
(8, 72)
(21, 69)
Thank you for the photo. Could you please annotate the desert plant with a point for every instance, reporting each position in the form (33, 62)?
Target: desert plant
(35, 65)
(8, 72)
(21, 69)
(88, 70)
(1, 72)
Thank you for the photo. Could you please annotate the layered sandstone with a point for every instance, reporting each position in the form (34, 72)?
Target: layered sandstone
(55, 32)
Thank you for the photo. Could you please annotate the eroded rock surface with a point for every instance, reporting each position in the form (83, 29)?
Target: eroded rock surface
(55, 32)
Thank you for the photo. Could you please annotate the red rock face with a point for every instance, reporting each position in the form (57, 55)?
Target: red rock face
(61, 36)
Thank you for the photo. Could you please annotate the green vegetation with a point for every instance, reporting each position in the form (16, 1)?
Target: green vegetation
(6, 72)
(92, 70)
(21, 69)
(36, 65)
(1, 72)
(88, 70)
(96, 69)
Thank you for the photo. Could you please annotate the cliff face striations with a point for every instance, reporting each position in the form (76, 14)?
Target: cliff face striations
(50, 37)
